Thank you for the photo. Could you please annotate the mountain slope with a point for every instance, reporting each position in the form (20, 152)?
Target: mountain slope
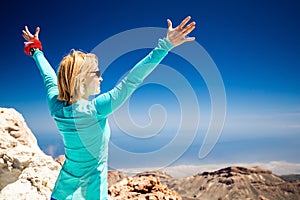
(231, 183)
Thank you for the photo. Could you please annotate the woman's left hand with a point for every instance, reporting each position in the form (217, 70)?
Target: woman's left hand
(177, 35)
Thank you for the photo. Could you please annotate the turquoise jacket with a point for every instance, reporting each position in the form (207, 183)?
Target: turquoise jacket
(85, 129)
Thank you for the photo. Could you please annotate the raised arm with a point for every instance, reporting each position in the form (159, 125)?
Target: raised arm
(33, 48)
(108, 102)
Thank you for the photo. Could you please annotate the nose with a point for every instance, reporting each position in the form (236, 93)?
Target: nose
(100, 79)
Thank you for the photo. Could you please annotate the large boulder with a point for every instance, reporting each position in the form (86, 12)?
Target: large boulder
(25, 171)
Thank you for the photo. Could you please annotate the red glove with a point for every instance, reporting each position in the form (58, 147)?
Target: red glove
(34, 43)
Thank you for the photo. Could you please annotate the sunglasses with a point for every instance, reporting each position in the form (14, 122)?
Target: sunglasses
(98, 73)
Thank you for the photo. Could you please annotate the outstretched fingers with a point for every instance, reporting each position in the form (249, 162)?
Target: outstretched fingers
(189, 39)
(28, 32)
(25, 36)
(28, 36)
(189, 28)
(184, 22)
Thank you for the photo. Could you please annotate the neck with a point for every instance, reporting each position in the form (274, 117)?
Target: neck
(84, 97)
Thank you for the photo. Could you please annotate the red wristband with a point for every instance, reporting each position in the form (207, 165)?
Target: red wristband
(34, 43)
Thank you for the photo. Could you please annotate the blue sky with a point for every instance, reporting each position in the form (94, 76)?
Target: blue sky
(254, 44)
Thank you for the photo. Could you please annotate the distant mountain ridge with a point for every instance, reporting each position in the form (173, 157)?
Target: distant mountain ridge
(230, 183)
(27, 173)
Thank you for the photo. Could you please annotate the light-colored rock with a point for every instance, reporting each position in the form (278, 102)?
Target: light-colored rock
(25, 171)
(14, 127)
(114, 177)
(21, 189)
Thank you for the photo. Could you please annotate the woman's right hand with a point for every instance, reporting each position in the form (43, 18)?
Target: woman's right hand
(28, 36)
(32, 41)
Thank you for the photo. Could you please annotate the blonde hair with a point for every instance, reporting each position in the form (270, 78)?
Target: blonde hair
(72, 72)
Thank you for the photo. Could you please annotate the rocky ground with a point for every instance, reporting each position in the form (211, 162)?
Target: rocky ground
(27, 173)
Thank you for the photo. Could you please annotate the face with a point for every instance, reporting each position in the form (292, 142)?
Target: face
(92, 83)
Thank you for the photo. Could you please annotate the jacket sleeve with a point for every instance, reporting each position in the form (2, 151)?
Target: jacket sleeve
(110, 101)
(49, 78)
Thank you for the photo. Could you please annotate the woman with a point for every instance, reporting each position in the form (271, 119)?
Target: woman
(83, 122)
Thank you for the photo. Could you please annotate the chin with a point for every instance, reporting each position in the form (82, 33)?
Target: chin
(97, 92)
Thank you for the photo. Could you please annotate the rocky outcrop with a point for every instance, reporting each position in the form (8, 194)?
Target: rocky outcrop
(25, 171)
(142, 187)
(115, 177)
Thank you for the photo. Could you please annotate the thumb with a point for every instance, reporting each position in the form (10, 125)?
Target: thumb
(37, 31)
(169, 24)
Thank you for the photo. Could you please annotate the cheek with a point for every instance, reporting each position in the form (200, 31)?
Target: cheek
(92, 83)
(87, 83)
(96, 82)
